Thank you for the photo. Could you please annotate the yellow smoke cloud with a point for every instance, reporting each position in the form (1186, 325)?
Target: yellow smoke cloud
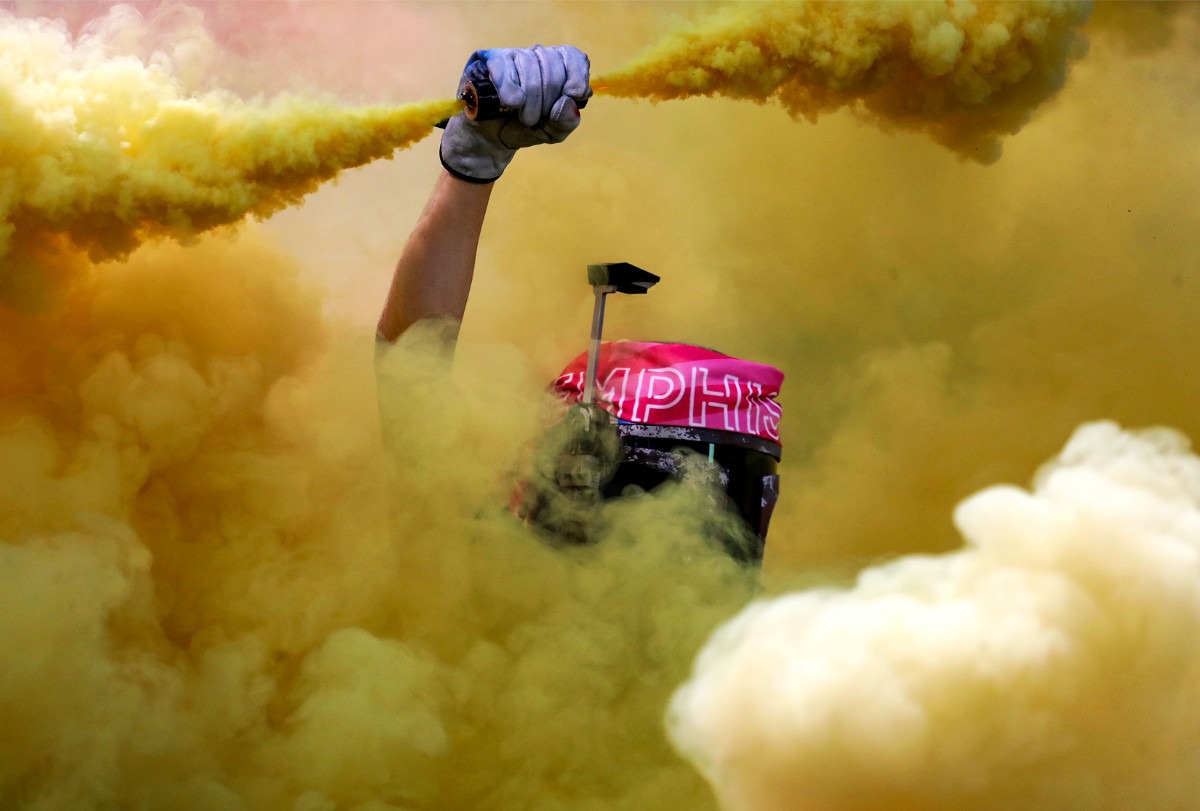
(100, 153)
(967, 73)
(222, 600)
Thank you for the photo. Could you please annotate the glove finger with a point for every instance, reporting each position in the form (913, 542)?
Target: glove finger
(554, 76)
(515, 135)
(563, 120)
(578, 68)
(529, 70)
(505, 75)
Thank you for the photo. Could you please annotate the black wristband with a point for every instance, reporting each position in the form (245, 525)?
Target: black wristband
(467, 178)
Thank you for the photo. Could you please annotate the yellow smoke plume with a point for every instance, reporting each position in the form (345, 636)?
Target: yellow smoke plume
(968, 73)
(101, 153)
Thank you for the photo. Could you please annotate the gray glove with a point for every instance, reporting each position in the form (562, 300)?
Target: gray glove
(544, 87)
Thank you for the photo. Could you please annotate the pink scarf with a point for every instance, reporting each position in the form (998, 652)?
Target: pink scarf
(680, 385)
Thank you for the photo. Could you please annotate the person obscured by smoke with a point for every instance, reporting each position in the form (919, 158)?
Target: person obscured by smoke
(664, 413)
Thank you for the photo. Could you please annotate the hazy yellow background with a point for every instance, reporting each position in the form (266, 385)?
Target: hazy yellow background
(206, 603)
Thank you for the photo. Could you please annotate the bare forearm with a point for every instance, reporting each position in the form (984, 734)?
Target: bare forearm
(544, 88)
(433, 276)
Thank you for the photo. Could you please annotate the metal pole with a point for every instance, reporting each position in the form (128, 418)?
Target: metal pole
(593, 363)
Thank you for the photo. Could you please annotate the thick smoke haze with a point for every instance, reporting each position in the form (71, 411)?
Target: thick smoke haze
(224, 589)
(105, 150)
(966, 74)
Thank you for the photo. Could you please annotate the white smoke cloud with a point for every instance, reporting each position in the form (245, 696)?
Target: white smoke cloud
(1049, 664)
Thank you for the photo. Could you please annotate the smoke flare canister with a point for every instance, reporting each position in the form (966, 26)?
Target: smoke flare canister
(480, 100)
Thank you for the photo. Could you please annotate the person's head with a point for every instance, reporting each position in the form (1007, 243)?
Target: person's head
(664, 412)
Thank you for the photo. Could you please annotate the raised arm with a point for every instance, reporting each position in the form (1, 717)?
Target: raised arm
(542, 89)
(433, 276)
